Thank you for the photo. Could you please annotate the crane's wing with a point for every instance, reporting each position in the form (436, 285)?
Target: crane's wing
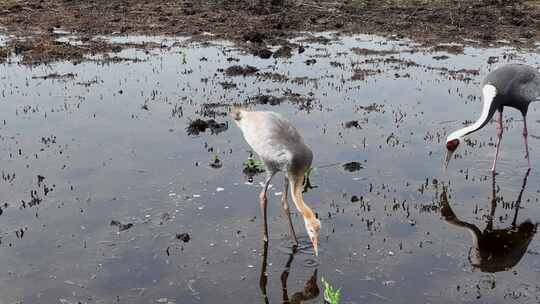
(528, 84)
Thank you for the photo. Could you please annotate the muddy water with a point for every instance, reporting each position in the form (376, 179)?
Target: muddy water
(109, 144)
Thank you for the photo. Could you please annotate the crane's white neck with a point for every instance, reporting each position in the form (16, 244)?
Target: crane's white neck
(488, 94)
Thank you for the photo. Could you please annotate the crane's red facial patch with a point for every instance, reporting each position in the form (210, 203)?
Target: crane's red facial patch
(452, 145)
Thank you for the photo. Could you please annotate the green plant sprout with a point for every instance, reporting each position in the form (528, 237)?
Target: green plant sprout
(216, 162)
(331, 295)
(254, 165)
(184, 56)
(307, 182)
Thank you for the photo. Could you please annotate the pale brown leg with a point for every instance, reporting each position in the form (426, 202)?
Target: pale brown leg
(263, 280)
(285, 205)
(525, 135)
(264, 203)
(499, 138)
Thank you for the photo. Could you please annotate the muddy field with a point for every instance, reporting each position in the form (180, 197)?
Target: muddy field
(123, 180)
(256, 24)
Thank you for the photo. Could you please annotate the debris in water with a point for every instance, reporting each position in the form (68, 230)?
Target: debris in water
(56, 76)
(283, 52)
(164, 218)
(267, 99)
(442, 57)
(364, 51)
(262, 53)
(198, 126)
(237, 70)
(352, 166)
(449, 48)
(362, 74)
(216, 163)
(121, 227)
(227, 85)
(352, 124)
(184, 237)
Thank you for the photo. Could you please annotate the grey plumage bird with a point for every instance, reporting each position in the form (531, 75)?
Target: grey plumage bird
(281, 147)
(512, 85)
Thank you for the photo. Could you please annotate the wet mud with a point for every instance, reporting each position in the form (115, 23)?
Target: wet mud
(263, 23)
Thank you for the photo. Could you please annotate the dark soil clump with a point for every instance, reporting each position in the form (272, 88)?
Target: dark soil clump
(352, 124)
(121, 227)
(237, 70)
(267, 99)
(352, 166)
(56, 76)
(4, 54)
(184, 237)
(283, 52)
(198, 126)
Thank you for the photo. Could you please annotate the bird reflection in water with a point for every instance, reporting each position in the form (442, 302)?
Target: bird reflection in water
(495, 249)
(310, 291)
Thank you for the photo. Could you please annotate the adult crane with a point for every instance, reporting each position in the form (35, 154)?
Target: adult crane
(511, 85)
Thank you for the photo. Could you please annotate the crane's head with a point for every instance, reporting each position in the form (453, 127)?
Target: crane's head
(452, 143)
(313, 225)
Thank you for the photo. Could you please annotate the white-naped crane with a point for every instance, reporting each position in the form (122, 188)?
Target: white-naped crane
(281, 147)
(511, 85)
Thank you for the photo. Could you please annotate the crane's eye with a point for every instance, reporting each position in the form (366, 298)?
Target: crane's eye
(452, 145)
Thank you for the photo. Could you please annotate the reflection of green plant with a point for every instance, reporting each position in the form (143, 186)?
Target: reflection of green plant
(184, 56)
(253, 165)
(331, 295)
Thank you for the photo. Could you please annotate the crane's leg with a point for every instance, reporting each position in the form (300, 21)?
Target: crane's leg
(263, 280)
(499, 138)
(285, 205)
(525, 136)
(264, 203)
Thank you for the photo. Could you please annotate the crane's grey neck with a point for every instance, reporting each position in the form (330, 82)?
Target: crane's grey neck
(488, 94)
(473, 230)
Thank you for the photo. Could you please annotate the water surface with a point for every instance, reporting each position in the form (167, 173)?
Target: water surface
(110, 144)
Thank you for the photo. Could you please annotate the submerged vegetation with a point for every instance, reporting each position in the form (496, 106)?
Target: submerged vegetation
(254, 165)
(307, 181)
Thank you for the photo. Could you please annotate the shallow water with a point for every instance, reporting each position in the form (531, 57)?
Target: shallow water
(111, 144)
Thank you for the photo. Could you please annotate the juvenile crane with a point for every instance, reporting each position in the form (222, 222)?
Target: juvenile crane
(281, 148)
(512, 85)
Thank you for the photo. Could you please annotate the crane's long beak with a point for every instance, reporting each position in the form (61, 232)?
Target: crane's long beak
(447, 158)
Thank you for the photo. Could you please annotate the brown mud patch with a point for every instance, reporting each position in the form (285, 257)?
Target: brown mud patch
(237, 70)
(263, 22)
